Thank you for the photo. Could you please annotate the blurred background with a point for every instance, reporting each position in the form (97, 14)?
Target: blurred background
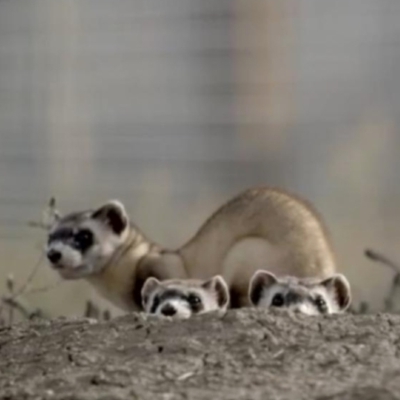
(175, 106)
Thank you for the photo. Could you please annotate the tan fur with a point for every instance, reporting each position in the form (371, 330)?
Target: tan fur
(261, 228)
(123, 277)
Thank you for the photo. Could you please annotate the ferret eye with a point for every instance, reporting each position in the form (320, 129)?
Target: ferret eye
(321, 304)
(83, 239)
(193, 299)
(278, 300)
(155, 304)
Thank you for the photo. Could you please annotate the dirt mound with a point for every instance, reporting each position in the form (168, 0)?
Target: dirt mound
(245, 354)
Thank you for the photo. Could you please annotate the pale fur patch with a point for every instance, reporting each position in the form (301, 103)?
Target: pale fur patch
(106, 244)
(306, 308)
(182, 308)
(331, 302)
(71, 258)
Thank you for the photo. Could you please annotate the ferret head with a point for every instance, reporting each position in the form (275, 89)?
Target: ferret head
(308, 296)
(81, 243)
(183, 298)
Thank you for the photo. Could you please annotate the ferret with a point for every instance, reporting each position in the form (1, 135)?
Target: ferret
(309, 296)
(260, 226)
(182, 298)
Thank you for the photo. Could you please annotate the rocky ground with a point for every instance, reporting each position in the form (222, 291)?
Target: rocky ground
(245, 354)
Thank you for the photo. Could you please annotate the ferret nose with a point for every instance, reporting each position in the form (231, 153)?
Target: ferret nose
(168, 310)
(54, 256)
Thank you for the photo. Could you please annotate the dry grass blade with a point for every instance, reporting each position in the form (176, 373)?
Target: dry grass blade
(376, 256)
(49, 215)
(44, 288)
(11, 300)
(14, 304)
(34, 271)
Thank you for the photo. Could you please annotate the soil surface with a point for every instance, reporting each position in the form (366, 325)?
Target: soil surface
(244, 354)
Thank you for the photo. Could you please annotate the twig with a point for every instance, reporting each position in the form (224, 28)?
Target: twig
(49, 215)
(10, 288)
(14, 295)
(30, 277)
(364, 307)
(35, 224)
(106, 315)
(44, 288)
(389, 303)
(376, 256)
(15, 304)
(91, 310)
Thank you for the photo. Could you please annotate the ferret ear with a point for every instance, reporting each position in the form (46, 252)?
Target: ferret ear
(260, 281)
(148, 287)
(114, 215)
(338, 287)
(218, 285)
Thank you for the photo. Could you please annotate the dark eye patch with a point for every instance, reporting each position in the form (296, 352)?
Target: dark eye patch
(60, 234)
(278, 300)
(195, 302)
(155, 304)
(192, 299)
(83, 239)
(321, 304)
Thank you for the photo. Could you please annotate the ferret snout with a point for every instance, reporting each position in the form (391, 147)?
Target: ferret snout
(168, 310)
(54, 256)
